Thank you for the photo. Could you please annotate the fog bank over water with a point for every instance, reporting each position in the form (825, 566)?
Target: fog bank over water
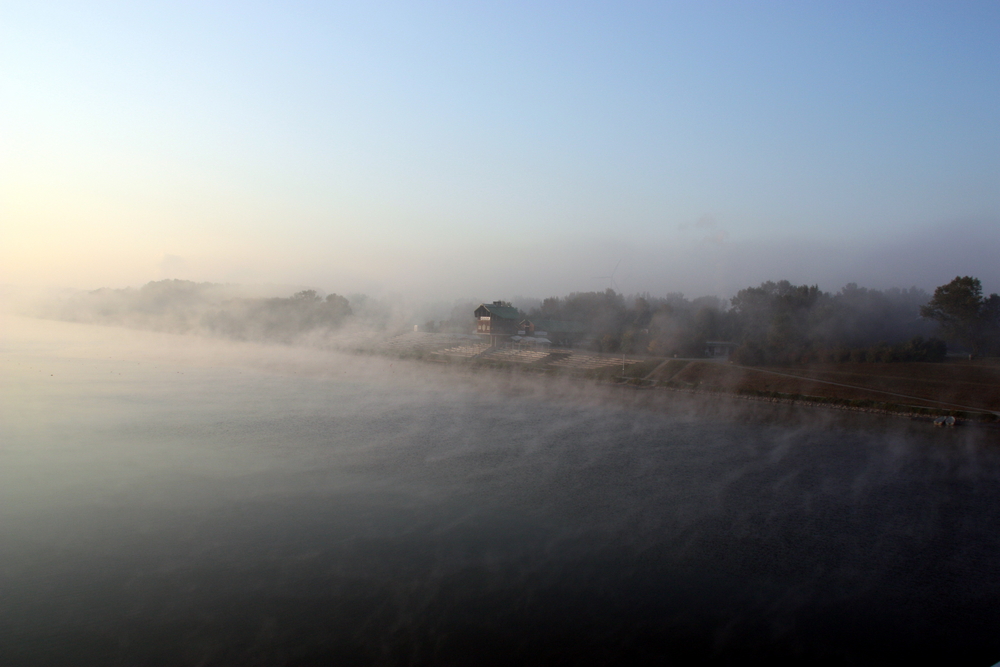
(697, 261)
(718, 259)
(183, 500)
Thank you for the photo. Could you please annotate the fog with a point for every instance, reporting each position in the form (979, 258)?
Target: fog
(244, 418)
(775, 322)
(537, 266)
(193, 499)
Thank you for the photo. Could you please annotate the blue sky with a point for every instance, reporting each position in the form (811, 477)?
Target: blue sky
(472, 149)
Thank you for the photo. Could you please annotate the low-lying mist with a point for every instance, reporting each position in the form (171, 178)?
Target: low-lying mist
(775, 323)
(166, 498)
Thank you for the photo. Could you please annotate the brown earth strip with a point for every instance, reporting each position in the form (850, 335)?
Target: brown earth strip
(968, 387)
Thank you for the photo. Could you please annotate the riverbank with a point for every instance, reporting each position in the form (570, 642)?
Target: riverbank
(968, 391)
(869, 407)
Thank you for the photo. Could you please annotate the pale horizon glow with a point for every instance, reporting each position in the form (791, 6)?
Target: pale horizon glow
(444, 150)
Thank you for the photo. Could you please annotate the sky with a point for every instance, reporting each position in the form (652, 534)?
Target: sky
(449, 150)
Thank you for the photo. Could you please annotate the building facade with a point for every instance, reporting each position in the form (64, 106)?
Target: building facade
(498, 321)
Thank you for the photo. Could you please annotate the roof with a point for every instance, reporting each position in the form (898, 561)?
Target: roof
(502, 312)
(559, 326)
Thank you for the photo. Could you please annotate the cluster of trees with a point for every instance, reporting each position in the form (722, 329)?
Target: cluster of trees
(640, 324)
(782, 323)
(773, 323)
(182, 306)
(966, 316)
(277, 319)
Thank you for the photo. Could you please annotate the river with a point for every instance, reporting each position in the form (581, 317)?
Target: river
(170, 500)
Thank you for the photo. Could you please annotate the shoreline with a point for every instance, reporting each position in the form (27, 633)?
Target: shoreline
(960, 417)
(642, 374)
(599, 377)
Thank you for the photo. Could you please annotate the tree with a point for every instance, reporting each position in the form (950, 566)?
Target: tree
(964, 315)
(778, 318)
(990, 318)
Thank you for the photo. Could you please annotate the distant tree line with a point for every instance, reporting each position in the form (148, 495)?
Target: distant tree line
(277, 319)
(642, 323)
(782, 323)
(182, 306)
(773, 323)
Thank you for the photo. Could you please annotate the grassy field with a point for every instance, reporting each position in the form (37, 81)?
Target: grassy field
(970, 386)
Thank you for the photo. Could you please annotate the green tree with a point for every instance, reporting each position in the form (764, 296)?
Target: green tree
(964, 315)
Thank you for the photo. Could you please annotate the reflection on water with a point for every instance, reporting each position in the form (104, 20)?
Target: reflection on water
(170, 501)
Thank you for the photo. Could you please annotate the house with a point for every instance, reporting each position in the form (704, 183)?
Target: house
(498, 320)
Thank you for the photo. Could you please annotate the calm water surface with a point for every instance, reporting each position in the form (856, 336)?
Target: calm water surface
(173, 501)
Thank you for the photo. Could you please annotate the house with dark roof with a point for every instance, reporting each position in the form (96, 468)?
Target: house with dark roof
(498, 320)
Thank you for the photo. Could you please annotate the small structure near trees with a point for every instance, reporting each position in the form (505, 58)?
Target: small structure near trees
(498, 320)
